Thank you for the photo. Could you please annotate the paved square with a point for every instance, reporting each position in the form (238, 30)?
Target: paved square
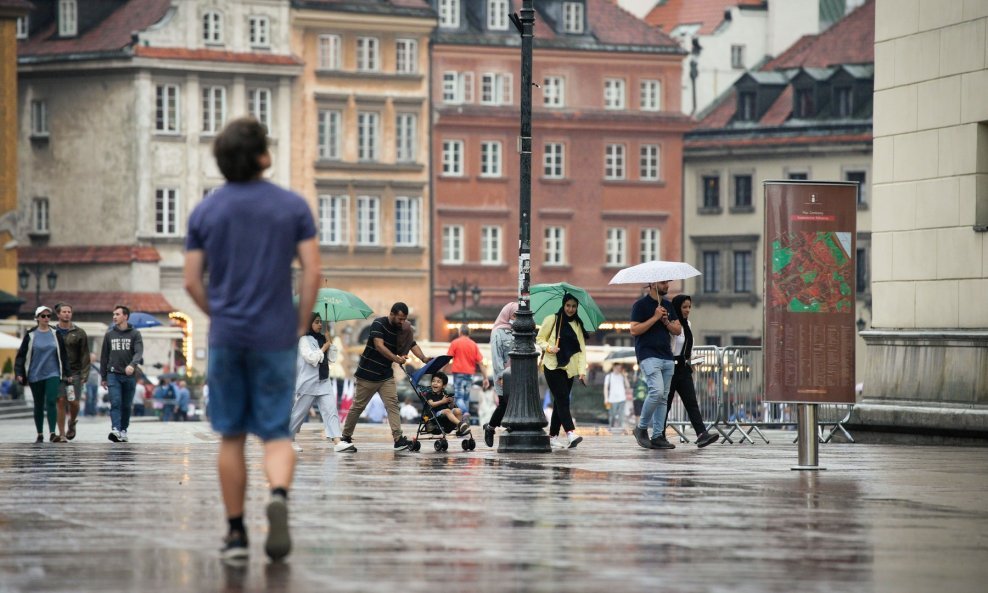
(606, 517)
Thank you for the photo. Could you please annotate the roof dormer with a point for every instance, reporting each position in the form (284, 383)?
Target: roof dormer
(756, 92)
(496, 15)
(450, 13)
(810, 98)
(68, 18)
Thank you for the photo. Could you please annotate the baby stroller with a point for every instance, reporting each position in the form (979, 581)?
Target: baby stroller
(431, 427)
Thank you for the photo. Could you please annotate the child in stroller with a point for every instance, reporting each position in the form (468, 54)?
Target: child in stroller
(439, 418)
(439, 401)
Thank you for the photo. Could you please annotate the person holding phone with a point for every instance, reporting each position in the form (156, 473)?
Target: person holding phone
(562, 339)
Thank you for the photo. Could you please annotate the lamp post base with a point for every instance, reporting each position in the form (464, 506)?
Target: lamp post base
(524, 441)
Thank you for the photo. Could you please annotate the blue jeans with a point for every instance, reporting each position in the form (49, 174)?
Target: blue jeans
(461, 390)
(121, 399)
(658, 377)
(91, 393)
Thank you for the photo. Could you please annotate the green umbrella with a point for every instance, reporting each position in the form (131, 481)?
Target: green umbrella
(339, 305)
(548, 298)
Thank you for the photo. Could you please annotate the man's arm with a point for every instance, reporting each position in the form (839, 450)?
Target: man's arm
(380, 347)
(675, 328)
(308, 258)
(138, 347)
(195, 265)
(639, 327)
(84, 357)
(417, 351)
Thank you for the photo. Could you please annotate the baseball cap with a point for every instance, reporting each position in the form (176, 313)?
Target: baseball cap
(39, 310)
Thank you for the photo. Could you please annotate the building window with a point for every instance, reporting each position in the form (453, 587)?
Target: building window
(798, 175)
(648, 164)
(166, 108)
(651, 95)
(334, 225)
(259, 31)
(40, 216)
(457, 87)
(490, 245)
(259, 106)
(368, 220)
(737, 57)
(649, 249)
(614, 161)
(406, 126)
(859, 177)
(452, 244)
(408, 216)
(22, 27)
(614, 93)
(39, 119)
(166, 211)
(746, 106)
(329, 52)
(490, 159)
(804, 103)
(616, 247)
(453, 158)
(712, 341)
(843, 101)
(367, 54)
(555, 246)
(554, 91)
(496, 89)
(711, 271)
(68, 18)
(742, 191)
(213, 108)
(449, 14)
(406, 56)
(861, 271)
(212, 27)
(497, 15)
(711, 192)
(553, 161)
(573, 17)
(367, 135)
(329, 135)
(744, 272)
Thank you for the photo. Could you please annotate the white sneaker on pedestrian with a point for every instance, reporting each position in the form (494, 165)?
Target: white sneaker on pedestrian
(557, 444)
(114, 435)
(573, 440)
(297, 447)
(123, 436)
(344, 447)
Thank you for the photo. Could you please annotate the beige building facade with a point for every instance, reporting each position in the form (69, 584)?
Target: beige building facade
(361, 154)
(927, 354)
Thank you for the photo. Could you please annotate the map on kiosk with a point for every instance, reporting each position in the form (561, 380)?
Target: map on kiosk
(812, 272)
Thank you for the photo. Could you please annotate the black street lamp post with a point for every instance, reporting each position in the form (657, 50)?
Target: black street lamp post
(463, 288)
(24, 277)
(524, 417)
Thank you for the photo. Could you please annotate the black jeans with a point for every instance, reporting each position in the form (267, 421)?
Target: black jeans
(682, 383)
(560, 384)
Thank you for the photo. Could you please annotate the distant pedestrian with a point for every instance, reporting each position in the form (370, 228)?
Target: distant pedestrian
(70, 391)
(92, 386)
(123, 351)
(140, 395)
(165, 397)
(247, 233)
(42, 362)
(653, 321)
(562, 339)
(682, 377)
(314, 385)
(616, 390)
(467, 360)
(182, 400)
(502, 341)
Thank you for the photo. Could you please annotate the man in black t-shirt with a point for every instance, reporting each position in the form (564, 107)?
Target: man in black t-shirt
(653, 321)
(376, 375)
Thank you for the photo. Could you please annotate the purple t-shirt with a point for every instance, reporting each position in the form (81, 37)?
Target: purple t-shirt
(249, 233)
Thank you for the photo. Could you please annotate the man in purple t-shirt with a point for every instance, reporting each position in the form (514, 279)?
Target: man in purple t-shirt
(246, 234)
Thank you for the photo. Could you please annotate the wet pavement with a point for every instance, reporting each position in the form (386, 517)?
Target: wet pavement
(608, 516)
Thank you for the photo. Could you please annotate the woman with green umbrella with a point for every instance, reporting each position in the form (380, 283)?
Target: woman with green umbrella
(562, 339)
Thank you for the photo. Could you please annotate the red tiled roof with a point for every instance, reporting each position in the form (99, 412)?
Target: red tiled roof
(722, 113)
(103, 302)
(612, 24)
(111, 34)
(850, 41)
(709, 14)
(816, 140)
(212, 55)
(88, 254)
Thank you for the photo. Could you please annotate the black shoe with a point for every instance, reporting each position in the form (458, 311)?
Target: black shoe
(660, 442)
(402, 444)
(707, 438)
(234, 546)
(488, 435)
(40, 439)
(279, 542)
(641, 435)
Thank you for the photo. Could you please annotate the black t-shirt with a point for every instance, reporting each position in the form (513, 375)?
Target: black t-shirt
(654, 343)
(373, 366)
(434, 397)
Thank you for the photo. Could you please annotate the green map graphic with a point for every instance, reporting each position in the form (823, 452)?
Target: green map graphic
(812, 272)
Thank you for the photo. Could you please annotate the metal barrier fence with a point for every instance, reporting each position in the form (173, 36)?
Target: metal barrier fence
(730, 390)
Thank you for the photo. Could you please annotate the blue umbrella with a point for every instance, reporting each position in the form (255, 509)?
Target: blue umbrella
(143, 320)
(430, 368)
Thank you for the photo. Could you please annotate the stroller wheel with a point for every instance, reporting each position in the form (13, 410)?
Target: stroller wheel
(445, 445)
(473, 444)
(466, 445)
(439, 445)
(416, 445)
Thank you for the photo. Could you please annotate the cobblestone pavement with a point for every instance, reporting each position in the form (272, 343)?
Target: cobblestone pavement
(606, 517)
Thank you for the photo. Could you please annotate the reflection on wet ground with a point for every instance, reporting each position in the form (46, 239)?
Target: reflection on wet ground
(608, 516)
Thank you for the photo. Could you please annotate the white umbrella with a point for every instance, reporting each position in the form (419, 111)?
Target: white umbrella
(654, 271)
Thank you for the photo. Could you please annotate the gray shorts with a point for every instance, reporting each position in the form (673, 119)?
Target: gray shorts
(76, 383)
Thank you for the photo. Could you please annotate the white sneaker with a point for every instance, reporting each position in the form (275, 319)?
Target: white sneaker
(344, 447)
(574, 440)
(557, 444)
(123, 436)
(114, 436)
(297, 447)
